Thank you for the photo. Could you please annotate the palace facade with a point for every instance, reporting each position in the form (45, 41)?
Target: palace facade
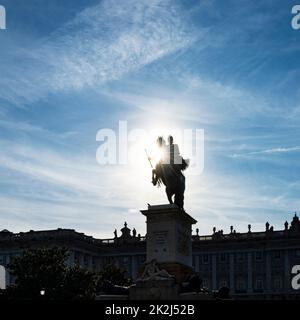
(252, 264)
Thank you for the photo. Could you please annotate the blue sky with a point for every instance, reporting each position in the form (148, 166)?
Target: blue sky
(70, 68)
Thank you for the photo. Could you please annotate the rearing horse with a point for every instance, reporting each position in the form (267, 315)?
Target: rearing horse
(172, 177)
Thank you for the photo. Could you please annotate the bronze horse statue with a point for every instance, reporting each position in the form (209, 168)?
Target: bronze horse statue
(170, 174)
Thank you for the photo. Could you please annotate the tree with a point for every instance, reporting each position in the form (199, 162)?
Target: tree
(115, 275)
(79, 284)
(44, 270)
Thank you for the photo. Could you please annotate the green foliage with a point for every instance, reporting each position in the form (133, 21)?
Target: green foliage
(79, 284)
(45, 269)
(115, 275)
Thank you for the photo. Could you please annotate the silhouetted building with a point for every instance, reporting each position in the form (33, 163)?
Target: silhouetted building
(251, 264)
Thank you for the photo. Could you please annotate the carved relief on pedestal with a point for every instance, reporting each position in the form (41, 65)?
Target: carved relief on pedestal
(183, 242)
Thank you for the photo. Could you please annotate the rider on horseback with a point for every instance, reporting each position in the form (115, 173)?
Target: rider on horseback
(169, 171)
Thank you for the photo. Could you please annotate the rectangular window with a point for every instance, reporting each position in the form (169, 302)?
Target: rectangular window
(142, 259)
(240, 256)
(86, 260)
(241, 286)
(205, 283)
(277, 283)
(76, 258)
(277, 254)
(205, 258)
(258, 256)
(240, 267)
(223, 257)
(259, 284)
(223, 283)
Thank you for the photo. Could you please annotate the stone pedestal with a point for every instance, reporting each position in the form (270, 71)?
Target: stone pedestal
(162, 289)
(169, 231)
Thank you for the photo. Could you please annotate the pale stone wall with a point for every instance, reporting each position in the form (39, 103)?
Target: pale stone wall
(2, 277)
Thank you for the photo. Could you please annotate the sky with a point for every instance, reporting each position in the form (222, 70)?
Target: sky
(71, 68)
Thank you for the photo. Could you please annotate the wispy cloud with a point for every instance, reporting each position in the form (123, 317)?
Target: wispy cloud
(199, 99)
(42, 187)
(53, 190)
(267, 151)
(102, 43)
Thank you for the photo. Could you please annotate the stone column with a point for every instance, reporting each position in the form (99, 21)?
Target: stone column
(231, 272)
(134, 267)
(250, 273)
(214, 272)
(268, 272)
(197, 263)
(287, 272)
(117, 261)
(7, 274)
